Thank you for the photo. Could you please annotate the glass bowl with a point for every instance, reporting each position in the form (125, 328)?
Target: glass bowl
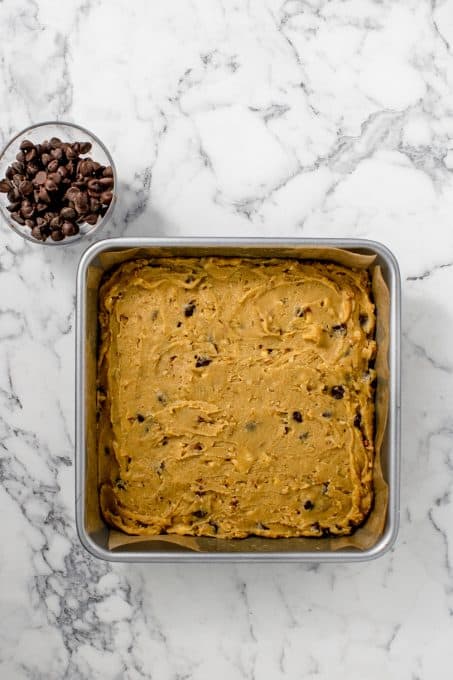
(67, 132)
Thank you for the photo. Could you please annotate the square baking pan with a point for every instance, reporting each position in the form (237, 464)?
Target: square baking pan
(92, 530)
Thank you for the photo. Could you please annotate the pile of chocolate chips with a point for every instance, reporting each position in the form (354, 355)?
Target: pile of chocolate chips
(52, 190)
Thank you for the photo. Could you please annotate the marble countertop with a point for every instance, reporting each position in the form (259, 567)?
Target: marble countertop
(241, 117)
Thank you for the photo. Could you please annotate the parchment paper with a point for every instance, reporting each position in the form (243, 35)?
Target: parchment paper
(366, 535)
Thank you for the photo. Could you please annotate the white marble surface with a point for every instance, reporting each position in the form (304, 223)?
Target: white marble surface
(241, 117)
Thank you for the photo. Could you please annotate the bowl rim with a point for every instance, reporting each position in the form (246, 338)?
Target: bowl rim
(71, 240)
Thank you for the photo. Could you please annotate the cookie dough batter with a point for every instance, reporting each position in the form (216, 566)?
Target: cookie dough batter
(236, 397)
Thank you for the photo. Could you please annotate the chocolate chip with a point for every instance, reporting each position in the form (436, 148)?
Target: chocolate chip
(95, 205)
(189, 309)
(199, 514)
(81, 204)
(68, 213)
(106, 197)
(32, 169)
(17, 218)
(95, 186)
(287, 429)
(308, 505)
(36, 233)
(140, 417)
(202, 361)
(297, 416)
(120, 484)
(26, 145)
(30, 155)
(18, 167)
(50, 185)
(337, 391)
(27, 210)
(85, 167)
(327, 414)
(57, 235)
(91, 218)
(85, 147)
(339, 329)
(357, 419)
(40, 177)
(43, 195)
(57, 154)
(25, 187)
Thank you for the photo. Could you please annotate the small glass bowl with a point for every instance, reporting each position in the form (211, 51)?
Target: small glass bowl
(67, 132)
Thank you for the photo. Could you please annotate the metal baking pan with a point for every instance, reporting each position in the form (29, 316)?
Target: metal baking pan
(92, 530)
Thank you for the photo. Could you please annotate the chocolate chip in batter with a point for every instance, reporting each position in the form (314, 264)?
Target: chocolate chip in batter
(179, 324)
(140, 418)
(120, 484)
(357, 419)
(308, 505)
(327, 414)
(189, 309)
(301, 311)
(202, 361)
(164, 441)
(199, 514)
(287, 429)
(339, 329)
(297, 416)
(363, 318)
(337, 391)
